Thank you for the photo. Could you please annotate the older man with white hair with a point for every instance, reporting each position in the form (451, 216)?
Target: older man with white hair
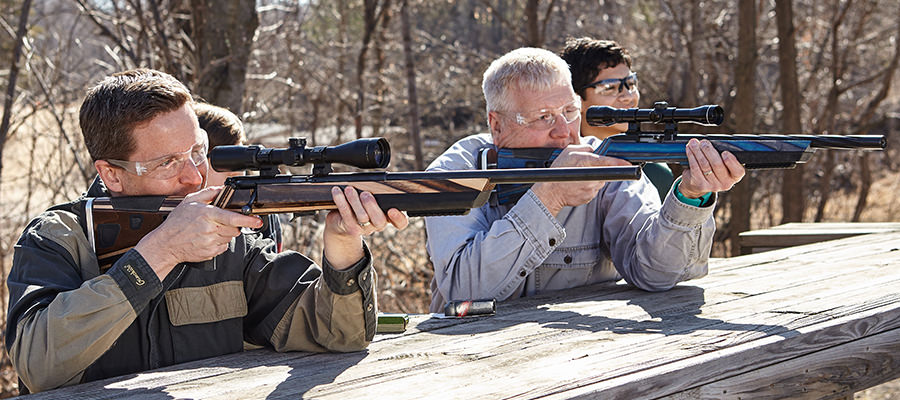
(565, 234)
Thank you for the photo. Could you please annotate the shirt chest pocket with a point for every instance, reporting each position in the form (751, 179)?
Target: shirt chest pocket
(576, 257)
(205, 304)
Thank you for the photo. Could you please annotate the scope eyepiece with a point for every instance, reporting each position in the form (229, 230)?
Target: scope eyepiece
(361, 153)
(704, 115)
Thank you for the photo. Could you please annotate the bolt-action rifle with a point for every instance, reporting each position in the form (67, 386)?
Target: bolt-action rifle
(668, 146)
(118, 223)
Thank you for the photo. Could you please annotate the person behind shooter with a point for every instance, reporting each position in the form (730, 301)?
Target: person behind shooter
(602, 76)
(69, 323)
(223, 128)
(565, 234)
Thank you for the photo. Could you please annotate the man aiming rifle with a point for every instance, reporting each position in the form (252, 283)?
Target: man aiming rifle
(562, 235)
(68, 323)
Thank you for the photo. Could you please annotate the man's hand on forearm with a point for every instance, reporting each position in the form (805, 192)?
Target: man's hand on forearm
(357, 215)
(708, 171)
(556, 195)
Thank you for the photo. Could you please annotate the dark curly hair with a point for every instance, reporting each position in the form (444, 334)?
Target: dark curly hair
(587, 57)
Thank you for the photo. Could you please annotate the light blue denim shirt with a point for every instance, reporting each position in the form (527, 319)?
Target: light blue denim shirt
(517, 250)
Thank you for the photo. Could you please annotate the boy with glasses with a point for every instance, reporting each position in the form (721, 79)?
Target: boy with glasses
(602, 76)
(68, 323)
(565, 234)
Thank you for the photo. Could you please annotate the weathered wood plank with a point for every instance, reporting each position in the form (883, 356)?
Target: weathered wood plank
(610, 341)
(824, 374)
(798, 233)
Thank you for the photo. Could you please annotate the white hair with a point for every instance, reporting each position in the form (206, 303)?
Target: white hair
(527, 68)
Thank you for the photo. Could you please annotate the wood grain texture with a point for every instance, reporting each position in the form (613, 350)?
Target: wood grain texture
(801, 233)
(816, 321)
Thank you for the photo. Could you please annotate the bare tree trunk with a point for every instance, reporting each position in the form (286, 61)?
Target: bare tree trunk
(223, 34)
(13, 76)
(371, 17)
(865, 185)
(532, 36)
(828, 117)
(380, 86)
(7, 115)
(415, 136)
(744, 115)
(692, 39)
(792, 194)
(866, 116)
(342, 51)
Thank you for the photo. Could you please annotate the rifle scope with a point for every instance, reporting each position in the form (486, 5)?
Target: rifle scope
(361, 153)
(660, 113)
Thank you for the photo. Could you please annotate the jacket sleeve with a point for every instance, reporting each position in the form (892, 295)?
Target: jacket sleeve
(58, 323)
(294, 305)
(654, 248)
(488, 253)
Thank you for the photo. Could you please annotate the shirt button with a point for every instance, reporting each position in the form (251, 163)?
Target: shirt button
(568, 259)
(522, 273)
(350, 282)
(552, 242)
(369, 307)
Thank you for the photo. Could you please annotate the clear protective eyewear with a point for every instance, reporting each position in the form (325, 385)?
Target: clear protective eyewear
(167, 166)
(614, 86)
(545, 118)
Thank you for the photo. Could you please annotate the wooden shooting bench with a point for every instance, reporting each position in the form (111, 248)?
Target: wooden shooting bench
(809, 322)
(800, 233)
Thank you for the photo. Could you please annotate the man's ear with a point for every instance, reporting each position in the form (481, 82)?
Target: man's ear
(494, 124)
(111, 176)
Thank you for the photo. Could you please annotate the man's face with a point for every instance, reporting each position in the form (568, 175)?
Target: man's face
(172, 134)
(523, 126)
(602, 96)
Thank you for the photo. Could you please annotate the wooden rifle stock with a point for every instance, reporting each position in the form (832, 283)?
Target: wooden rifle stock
(118, 223)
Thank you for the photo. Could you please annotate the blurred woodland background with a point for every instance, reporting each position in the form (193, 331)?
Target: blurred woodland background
(410, 71)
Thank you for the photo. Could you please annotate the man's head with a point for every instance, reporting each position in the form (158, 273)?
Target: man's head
(602, 76)
(142, 134)
(530, 101)
(222, 126)
(224, 129)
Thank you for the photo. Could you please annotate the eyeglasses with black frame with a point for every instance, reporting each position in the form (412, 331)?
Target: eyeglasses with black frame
(614, 86)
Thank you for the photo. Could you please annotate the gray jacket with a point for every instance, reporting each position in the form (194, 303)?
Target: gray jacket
(510, 251)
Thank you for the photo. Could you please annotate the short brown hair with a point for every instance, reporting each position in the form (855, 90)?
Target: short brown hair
(222, 126)
(115, 106)
(587, 57)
